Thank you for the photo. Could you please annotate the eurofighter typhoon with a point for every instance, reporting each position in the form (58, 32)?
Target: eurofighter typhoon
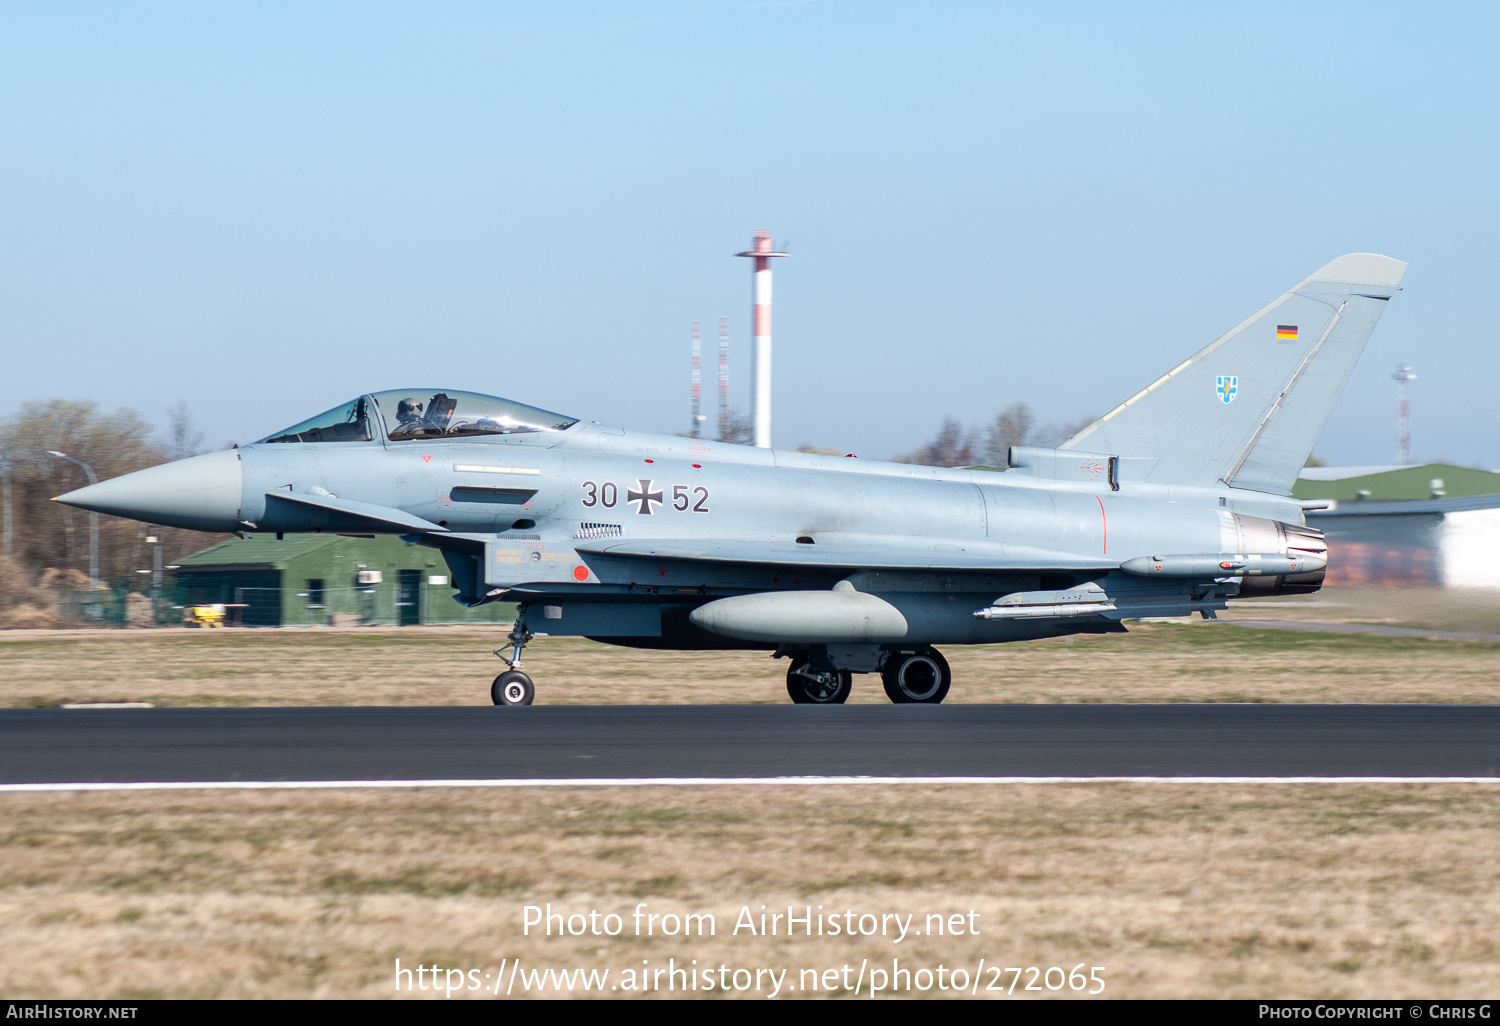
(1174, 502)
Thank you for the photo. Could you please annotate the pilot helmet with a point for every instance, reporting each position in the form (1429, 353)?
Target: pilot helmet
(409, 409)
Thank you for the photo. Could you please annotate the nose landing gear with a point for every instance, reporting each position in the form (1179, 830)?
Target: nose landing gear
(513, 687)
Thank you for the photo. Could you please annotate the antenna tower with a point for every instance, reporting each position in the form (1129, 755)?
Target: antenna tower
(723, 378)
(697, 389)
(1403, 375)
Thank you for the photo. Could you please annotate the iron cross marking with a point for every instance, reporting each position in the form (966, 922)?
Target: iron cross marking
(643, 496)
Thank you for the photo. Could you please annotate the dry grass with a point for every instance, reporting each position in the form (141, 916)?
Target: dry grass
(1251, 891)
(1445, 609)
(1194, 662)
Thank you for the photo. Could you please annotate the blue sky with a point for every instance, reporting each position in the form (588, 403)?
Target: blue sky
(267, 208)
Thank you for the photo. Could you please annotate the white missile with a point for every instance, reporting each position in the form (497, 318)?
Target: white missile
(1203, 564)
(1043, 611)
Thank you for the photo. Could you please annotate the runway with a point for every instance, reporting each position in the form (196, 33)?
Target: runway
(705, 743)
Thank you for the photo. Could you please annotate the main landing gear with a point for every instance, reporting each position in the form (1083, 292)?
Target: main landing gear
(823, 675)
(810, 686)
(513, 687)
(920, 676)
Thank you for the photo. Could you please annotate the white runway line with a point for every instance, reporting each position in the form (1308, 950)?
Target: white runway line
(323, 785)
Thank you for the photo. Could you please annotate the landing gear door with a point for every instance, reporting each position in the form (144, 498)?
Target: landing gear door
(512, 560)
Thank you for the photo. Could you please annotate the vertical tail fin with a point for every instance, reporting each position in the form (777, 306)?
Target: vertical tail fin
(1247, 409)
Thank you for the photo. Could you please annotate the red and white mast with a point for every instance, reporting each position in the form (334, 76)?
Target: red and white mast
(1403, 377)
(723, 379)
(760, 377)
(696, 402)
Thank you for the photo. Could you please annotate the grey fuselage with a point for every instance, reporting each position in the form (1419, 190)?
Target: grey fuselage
(533, 518)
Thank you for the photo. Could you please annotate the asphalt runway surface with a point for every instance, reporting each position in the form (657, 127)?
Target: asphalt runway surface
(629, 742)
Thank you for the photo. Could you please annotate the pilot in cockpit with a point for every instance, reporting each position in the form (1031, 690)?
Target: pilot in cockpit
(408, 418)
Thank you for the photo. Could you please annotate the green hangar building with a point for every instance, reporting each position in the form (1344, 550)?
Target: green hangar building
(1432, 524)
(327, 580)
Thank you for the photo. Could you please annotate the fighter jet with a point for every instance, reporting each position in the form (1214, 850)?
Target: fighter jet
(1176, 501)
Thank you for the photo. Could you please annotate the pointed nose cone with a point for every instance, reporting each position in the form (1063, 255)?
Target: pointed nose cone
(201, 493)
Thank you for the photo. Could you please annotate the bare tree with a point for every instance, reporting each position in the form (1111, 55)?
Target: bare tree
(49, 536)
(989, 444)
(740, 430)
(1053, 435)
(183, 437)
(1014, 425)
(952, 447)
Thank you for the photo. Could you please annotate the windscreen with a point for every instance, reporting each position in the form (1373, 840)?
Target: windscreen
(428, 413)
(347, 423)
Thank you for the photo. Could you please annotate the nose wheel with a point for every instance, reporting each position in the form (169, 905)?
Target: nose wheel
(512, 688)
(921, 676)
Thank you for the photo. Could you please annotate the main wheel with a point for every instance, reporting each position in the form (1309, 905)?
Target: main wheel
(808, 686)
(512, 688)
(920, 676)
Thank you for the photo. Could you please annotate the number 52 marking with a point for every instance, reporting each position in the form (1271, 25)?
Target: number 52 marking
(685, 498)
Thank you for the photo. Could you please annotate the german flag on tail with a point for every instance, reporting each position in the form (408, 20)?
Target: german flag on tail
(1286, 333)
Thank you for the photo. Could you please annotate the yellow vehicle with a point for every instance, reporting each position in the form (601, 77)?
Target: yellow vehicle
(204, 616)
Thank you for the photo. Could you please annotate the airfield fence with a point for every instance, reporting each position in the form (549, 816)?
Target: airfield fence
(116, 605)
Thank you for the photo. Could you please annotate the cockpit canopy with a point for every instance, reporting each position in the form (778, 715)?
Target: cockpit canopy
(412, 413)
(427, 413)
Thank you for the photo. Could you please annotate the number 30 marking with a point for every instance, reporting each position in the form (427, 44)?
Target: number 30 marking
(608, 494)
